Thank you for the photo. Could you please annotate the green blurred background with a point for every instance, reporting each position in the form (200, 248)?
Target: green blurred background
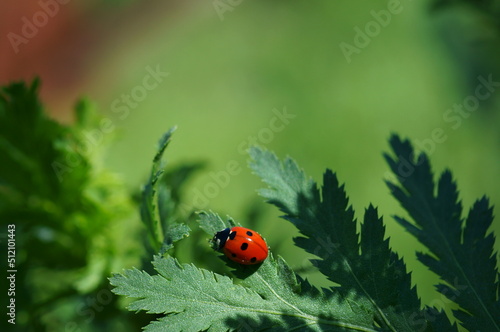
(231, 68)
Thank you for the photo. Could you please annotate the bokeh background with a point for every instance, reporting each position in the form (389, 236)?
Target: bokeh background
(228, 69)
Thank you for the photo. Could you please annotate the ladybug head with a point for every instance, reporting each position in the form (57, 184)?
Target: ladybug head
(220, 238)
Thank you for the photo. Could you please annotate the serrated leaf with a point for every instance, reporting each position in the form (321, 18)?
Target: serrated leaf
(462, 251)
(155, 218)
(370, 275)
(197, 300)
(212, 223)
(172, 216)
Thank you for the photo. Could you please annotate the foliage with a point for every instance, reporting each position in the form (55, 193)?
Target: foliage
(461, 251)
(65, 210)
(372, 289)
(74, 221)
(75, 224)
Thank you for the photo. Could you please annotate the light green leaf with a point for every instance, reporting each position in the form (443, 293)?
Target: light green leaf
(196, 300)
(155, 218)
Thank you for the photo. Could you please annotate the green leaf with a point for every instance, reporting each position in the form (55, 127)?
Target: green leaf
(211, 223)
(170, 207)
(371, 277)
(39, 156)
(196, 300)
(44, 180)
(68, 215)
(373, 294)
(461, 249)
(156, 210)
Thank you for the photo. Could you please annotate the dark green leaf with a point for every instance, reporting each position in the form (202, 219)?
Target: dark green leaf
(371, 277)
(461, 249)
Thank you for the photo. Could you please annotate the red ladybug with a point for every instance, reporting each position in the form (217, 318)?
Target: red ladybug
(241, 245)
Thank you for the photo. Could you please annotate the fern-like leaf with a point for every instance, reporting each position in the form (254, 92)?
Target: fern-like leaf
(368, 272)
(461, 250)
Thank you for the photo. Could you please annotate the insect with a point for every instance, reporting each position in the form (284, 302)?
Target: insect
(241, 245)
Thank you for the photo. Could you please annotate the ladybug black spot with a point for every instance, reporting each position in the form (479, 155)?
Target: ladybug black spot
(249, 233)
(244, 246)
(253, 260)
(233, 255)
(232, 235)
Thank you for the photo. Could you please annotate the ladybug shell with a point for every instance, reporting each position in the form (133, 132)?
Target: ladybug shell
(242, 245)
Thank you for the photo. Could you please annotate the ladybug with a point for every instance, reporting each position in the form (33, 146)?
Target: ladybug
(241, 245)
